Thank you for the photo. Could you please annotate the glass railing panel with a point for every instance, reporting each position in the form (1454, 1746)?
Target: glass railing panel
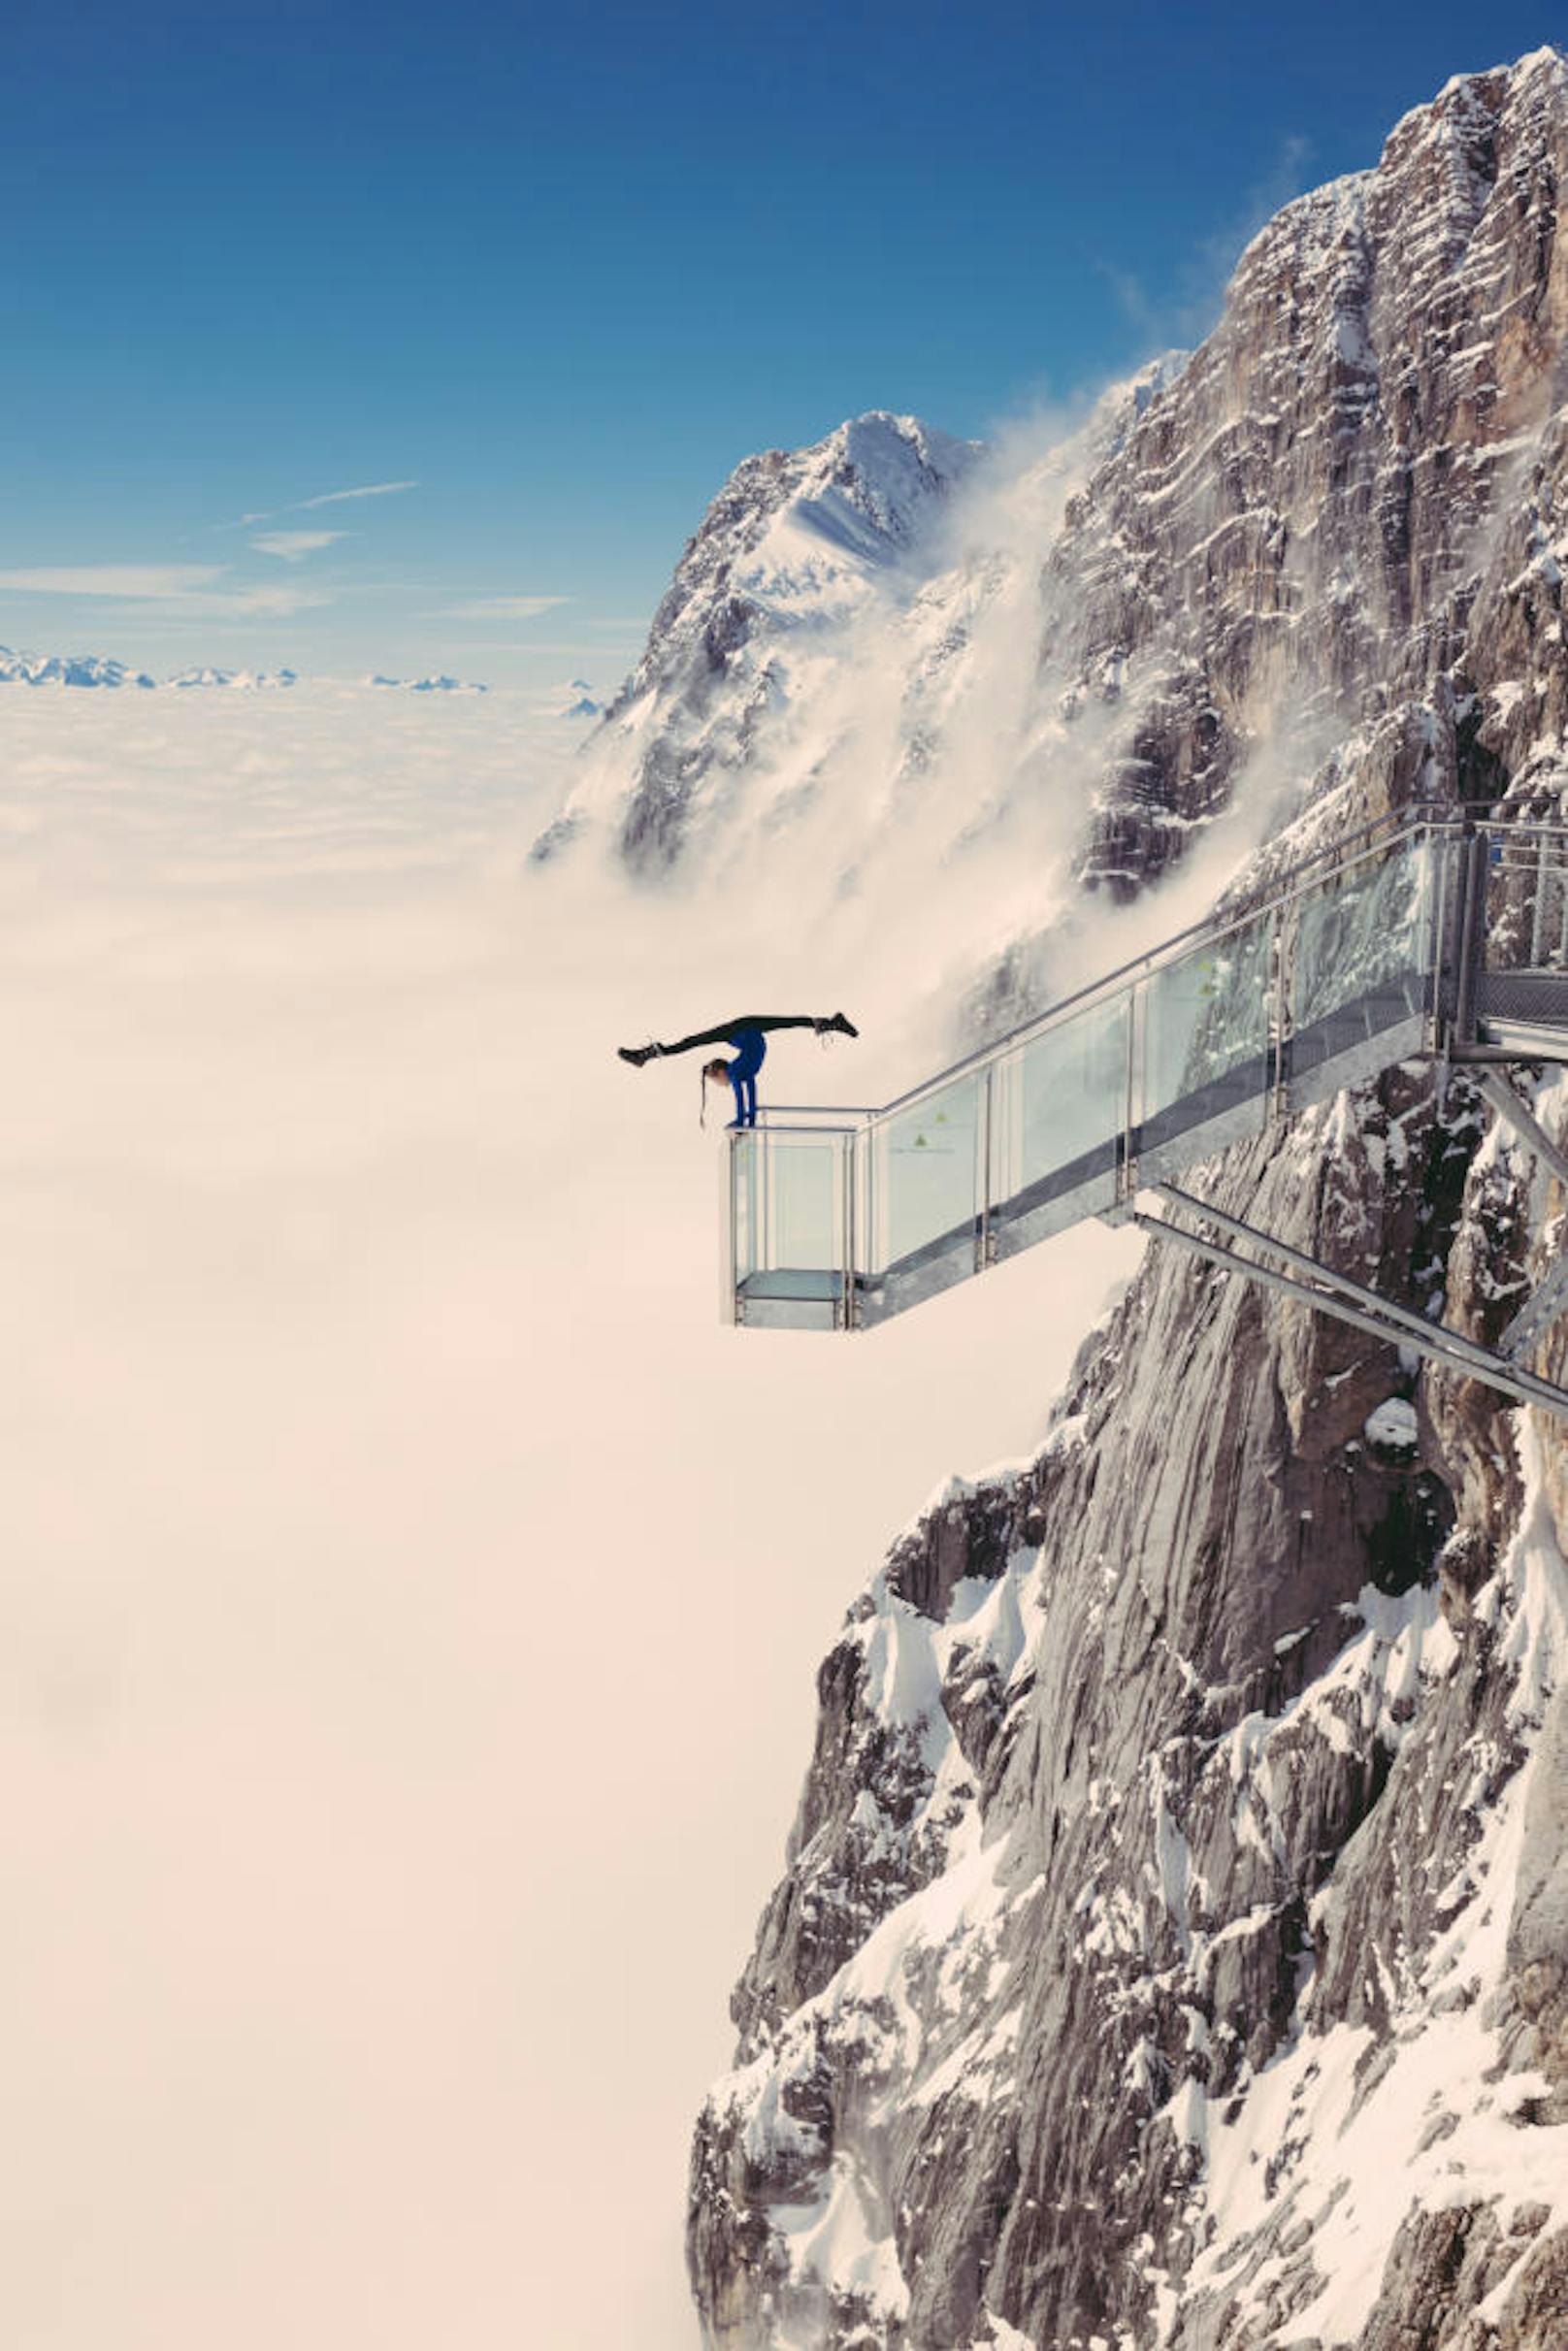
(1206, 1023)
(1521, 972)
(745, 1173)
(1360, 953)
(788, 1203)
(925, 1178)
(1059, 1111)
(1527, 901)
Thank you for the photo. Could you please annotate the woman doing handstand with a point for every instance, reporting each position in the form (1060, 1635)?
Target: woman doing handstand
(749, 1036)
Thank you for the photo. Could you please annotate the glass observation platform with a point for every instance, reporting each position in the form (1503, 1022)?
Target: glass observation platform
(1420, 936)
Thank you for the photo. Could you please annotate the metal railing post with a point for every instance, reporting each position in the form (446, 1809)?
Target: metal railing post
(729, 1310)
(1284, 975)
(1472, 937)
(764, 1187)
(848, 1149)
(1538, 917)
(982, 1232)
(1126, 1173)
(1439, 859)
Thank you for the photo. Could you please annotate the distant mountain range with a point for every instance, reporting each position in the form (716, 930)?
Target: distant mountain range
(579, 701)
(95, 669)
(66, 669)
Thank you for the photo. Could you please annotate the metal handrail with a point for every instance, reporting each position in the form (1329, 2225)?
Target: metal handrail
(1295, 885)
(1159, 957)
(839, 1122)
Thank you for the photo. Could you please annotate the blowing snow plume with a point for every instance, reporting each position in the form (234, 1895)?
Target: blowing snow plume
(843, 710)
(909, 691)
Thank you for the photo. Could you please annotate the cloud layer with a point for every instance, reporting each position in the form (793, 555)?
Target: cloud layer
(415, 1593)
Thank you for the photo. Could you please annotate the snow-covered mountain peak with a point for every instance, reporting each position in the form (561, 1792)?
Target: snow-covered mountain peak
(810, 648)
(244, 681)
(799, 531)
(868, 488)
(795, 550)
(66, 669)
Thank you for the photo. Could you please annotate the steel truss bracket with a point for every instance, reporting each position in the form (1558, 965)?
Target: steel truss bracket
(1505, 1100)
(1537, 1315)
(1124, 1212)
(1548, 1300)
(1319, 1287)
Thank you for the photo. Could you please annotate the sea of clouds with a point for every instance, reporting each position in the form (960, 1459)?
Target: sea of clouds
(413, 1592)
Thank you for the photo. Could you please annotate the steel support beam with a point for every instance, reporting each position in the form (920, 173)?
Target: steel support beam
(1537, 1314)
(1410, 1324)
(1328, 1293)
(1540, 1311)
(1505, 1100)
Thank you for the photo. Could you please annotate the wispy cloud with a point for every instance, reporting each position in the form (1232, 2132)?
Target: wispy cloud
(246, 604)
(147, 583)
(334, 498)
(303, 505)
(180, 591)
(264, 603)
(505, 607)
(291, 545)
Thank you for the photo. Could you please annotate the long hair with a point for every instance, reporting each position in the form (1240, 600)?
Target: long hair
(716, 1069)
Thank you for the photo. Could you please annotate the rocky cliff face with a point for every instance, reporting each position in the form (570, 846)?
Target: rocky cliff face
(1303, 525)
(1172, 1949)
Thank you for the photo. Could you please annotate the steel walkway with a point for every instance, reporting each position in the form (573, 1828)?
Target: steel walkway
(1422, 937)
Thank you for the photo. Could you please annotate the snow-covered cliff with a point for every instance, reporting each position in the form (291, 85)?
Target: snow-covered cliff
(1172, 1947)
(847, 646)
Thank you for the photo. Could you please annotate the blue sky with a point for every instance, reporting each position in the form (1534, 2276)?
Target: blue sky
(559, 276)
